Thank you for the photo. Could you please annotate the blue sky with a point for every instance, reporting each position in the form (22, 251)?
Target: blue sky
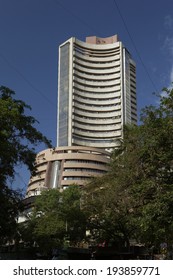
(32, 30)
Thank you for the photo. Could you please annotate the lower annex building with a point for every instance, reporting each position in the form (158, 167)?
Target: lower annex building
(65, 166)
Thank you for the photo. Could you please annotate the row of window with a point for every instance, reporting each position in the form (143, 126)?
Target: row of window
(97, 74)
(75, 178)
(94, 94)
(95, 61)
(85, 161)
(97, 124)
(84, 170)
(89, 140)
(101, 85)
(97, 105)
(93, 99)
(96, 52)
(90, 110)
(99, 119)
(110, 130)
(111, 67)
(101, 80)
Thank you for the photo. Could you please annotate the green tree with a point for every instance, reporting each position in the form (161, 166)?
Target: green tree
(10, 202)
(56, 218)
(18, 139)
(136, 196)
(109, 208)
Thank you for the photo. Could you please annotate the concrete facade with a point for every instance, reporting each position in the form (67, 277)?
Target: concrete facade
(65, 166)
(96, 92)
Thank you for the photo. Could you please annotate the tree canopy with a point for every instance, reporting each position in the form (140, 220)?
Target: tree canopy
(18, 140)
(134, 200)
(18, 136)
(56, 218)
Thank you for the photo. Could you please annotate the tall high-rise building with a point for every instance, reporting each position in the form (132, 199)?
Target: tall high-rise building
(96, 97)
(96, 92)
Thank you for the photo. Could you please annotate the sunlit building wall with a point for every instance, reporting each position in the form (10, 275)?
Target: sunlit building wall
(65, 166)
(96, 92)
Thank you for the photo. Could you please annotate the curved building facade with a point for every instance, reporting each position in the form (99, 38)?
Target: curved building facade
(96, 92)
(65, 166)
